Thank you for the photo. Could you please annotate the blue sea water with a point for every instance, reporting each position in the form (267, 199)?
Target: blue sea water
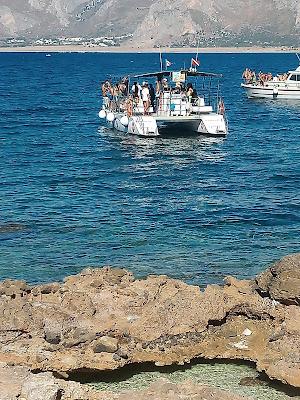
(74, 193)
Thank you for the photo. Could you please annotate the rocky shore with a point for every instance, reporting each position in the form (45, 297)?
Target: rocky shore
(104, 319)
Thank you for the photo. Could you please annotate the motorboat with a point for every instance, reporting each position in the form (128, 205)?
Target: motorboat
(286, 87)
(173, 106)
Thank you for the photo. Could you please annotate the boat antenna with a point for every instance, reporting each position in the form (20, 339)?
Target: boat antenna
(297, 55)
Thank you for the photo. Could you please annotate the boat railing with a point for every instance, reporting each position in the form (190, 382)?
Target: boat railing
(166, 104)
(178, 104)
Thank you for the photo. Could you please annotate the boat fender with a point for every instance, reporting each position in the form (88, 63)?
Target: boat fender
(110, 117)
(124, 120)
(102, 114)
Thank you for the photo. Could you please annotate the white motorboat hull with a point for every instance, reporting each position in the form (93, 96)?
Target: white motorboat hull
(272, 91)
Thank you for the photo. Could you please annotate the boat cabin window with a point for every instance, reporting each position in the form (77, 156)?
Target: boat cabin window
(294, 78)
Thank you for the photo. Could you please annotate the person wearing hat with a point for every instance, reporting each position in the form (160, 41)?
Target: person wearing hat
(146, 98)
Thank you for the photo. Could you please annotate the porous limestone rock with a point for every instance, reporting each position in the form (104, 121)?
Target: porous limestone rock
(281, 281)
(103, 319)
(105, 344)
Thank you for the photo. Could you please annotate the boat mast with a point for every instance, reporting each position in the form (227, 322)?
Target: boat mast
(160, 59)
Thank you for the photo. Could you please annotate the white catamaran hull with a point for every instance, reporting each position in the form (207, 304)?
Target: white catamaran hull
(272, 92)
(150, 126)
(174, 108)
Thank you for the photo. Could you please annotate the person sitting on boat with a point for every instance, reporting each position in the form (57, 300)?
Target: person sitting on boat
(283, 77)
(146, 98)
(263, 77)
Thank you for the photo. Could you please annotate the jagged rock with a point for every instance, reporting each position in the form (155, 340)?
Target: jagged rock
(119, 321)
(105, 344)
(41, 386)
(12, 227)
(13, 288)
(46, 288)
(52, 332)
(281, 281)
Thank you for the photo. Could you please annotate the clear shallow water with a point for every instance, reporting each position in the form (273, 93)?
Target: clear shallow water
(74, 193)
(220, 375)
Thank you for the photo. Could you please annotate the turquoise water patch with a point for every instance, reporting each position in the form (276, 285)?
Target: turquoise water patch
(219, 375)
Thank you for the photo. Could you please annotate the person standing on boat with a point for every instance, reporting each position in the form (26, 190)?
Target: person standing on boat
(189, 92)
(146, 98)
(107, 93)
(136, 92)
(152, 96)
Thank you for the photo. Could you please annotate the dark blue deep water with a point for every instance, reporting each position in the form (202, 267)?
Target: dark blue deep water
(74, 193)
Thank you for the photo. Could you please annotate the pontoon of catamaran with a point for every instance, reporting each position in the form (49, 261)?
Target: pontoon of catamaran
(173, 108)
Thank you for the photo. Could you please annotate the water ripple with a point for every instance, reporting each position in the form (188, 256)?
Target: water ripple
(195, 208)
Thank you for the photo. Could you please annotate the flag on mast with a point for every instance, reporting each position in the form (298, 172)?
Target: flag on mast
(168, 63)
(195, 62)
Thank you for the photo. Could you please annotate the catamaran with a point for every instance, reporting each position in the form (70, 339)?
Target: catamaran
(184, 100)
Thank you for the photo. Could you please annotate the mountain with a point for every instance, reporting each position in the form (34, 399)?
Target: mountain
(148, 23)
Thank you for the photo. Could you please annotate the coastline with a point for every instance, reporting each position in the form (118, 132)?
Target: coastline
(58, 337)
(128, 49)
(104, 319)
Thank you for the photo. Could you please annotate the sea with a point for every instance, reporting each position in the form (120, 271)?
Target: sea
(75, 193)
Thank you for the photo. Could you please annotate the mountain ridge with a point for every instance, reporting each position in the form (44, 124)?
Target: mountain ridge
(155, 23)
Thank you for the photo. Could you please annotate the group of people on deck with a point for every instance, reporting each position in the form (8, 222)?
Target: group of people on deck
(145, 93)
(151, 97)
(120, 96)
(113, 93)
(261, 78)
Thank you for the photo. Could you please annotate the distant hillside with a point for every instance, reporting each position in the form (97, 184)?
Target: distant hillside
(156, 22)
